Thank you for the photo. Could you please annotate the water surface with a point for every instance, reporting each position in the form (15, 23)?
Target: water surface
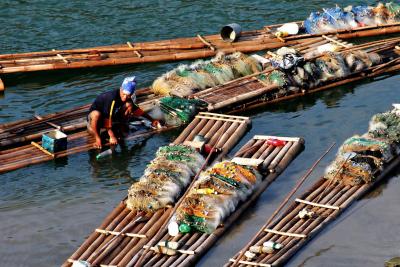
(47, 210)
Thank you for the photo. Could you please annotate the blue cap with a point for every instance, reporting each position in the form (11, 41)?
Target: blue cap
(129, 85)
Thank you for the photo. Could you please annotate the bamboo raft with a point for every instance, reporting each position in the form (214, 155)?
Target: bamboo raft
(74, 120)
(121, 236)
(326, 199)
(15, 158)
(270, 159)
(69, 121)
(250, 91)
(167, 50)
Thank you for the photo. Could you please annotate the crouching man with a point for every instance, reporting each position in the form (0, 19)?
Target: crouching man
(112, 111)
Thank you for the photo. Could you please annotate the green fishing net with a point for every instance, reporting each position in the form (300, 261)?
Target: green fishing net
(184, 109)
(386, 126)
(394, 9)
(176, 149)
(278, 78)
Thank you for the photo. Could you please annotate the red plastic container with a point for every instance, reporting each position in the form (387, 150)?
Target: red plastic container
(276, 142)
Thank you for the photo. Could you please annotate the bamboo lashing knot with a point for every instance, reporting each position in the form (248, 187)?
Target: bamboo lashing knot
(134, 51)
(317, 204)
(204, 41)
(42, 149)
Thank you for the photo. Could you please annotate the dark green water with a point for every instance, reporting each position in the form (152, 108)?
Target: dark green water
(47, 210)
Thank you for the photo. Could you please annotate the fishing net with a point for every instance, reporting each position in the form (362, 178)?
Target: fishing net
(164, 178)
(187, 79)
(385, 126)
(332, 19)
(215, 195)
(361, 157)
(180, 110)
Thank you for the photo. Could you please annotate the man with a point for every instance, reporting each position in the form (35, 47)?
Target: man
(112, 110)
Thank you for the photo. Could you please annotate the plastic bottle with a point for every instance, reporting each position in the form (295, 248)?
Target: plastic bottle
(184, 228)
(104, 153)
(205, 191)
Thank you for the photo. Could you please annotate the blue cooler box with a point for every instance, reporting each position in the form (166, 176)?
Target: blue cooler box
(54, 141)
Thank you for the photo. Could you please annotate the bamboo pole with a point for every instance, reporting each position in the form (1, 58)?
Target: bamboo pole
(279, 156)
(244, 148)
(133, 241)
(186, 131)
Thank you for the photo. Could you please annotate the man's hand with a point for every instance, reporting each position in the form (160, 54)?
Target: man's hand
(113, 140)
(156, 124)
(97, 143)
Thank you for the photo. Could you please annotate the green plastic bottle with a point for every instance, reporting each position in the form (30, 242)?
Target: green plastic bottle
(184, 228)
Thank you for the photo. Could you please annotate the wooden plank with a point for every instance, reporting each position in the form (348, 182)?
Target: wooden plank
(182, 251)
(58, 127)
(218, 119)
(42, 149)
(317, 204)
(1, 85)
(223, 115)
(266, 137)
(252, 263)
(335, 41)
(247, 161)
(107, 232)
(134, 51)
(285, 233)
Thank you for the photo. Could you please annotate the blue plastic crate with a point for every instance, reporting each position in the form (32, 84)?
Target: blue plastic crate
(54, 141)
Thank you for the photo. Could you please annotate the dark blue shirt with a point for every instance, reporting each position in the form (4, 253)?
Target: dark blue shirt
(103, 103)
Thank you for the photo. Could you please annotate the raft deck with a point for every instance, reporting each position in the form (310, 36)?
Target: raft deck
(167, 50)
(272, 161)
(120, 236)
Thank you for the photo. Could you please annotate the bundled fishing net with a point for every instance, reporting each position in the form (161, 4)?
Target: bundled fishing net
(332, 19)
(328, 67)
(187, 79)
(164, 178)
(216, 195)
(386, 126)
(180, 110)
(360, 157)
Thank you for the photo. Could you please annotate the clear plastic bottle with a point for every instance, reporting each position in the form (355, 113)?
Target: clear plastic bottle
(104, 153)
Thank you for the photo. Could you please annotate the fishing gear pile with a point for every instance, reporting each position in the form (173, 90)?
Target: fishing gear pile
(295, 74)
(178, 110)
(187, 79)
(360, 157)
(214, 196)
(164, 178)
(332, 19)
